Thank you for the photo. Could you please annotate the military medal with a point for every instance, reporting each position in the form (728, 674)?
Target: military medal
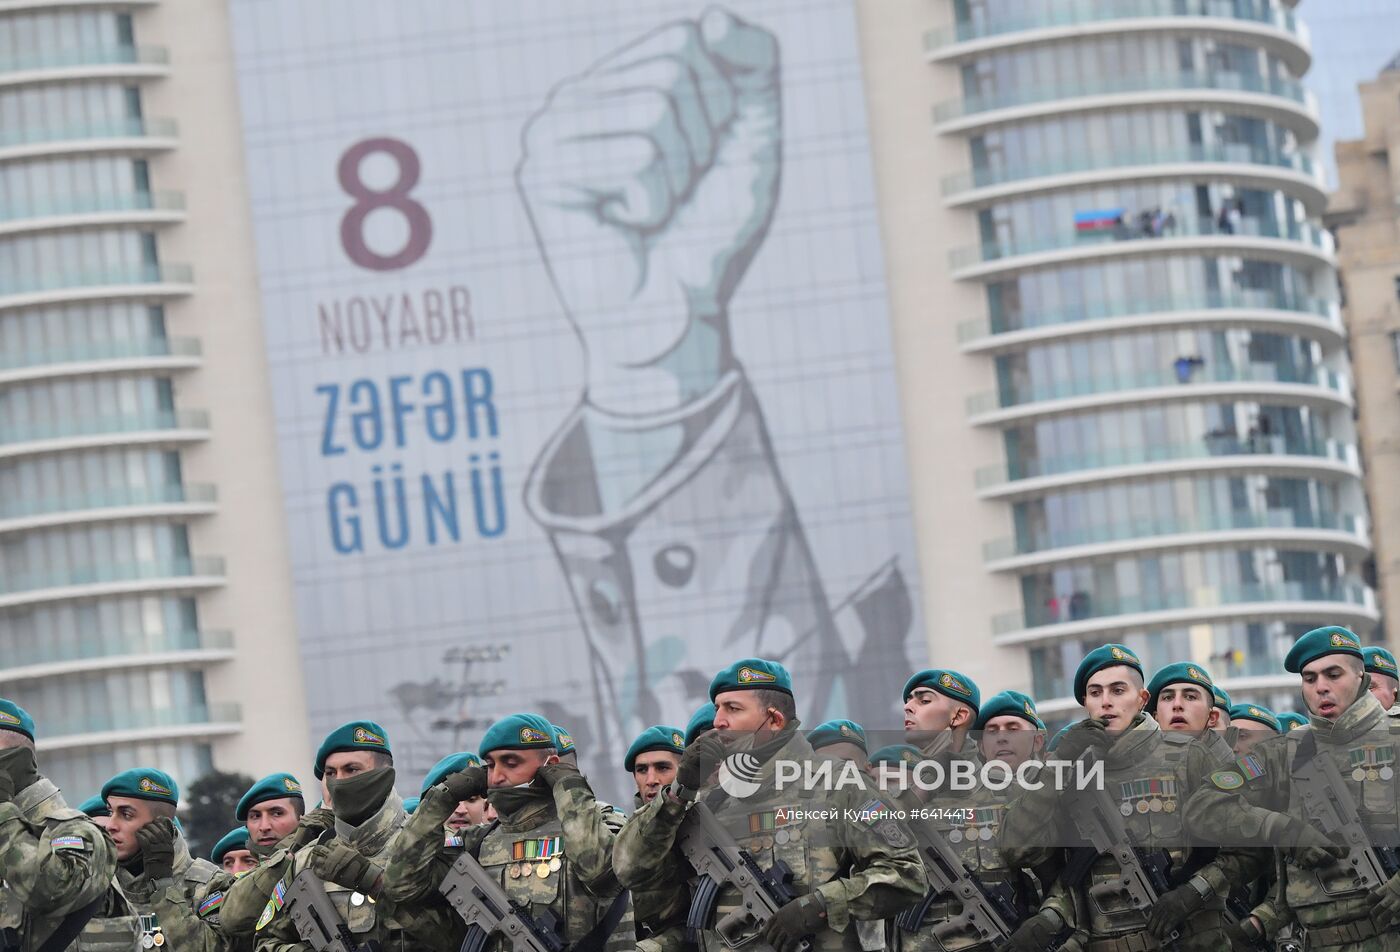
(1155, 805)
(1142, 806)
(1169, 806)
(542, 871)
(781, 837)
(1384, 757)
(513, 870)
(1359, 774)
(955, 836)
(794, 834)
(985, 834)
(555, 864)
(1125, 808)
(357, 899)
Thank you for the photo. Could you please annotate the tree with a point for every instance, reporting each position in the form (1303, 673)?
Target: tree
(212, 800)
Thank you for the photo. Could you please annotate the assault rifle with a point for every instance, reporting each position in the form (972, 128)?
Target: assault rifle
(721, 861)
(316, 920)
(1328, 805)
(483, 905)
(988, 911)
(1142, 874)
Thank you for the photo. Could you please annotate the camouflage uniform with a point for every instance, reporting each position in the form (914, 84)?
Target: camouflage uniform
(568, 825)
(246, 897)
(861, 870)
(1253, 801)
(398, 928)
(54, 861)
(211, 899)
(187, 927)
(1151, 772)
(660, 911)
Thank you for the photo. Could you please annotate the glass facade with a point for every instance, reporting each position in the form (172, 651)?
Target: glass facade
(65, 508)
(1176, 318)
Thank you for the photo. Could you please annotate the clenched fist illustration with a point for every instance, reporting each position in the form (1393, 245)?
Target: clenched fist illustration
(650, 182)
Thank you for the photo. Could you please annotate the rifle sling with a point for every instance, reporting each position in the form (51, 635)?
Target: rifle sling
(71, 925)
(598, 936)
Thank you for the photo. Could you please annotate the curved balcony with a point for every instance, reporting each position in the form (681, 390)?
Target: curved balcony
(1082, 614)
(158, 354)
(1269, 310)
(1285, 101)
(1227, 381)
(119, 578)
(92, 211)
(1326, 529)
(115, 61)
(1279, 30)
(127, 726)
(133, 136)
(1240, 164)
(1226, 451)
(1303, 245)
(155, 426)
(135, 282)
(137, 502)
(103, 653)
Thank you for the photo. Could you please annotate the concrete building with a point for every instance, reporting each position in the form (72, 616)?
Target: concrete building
(1103, 229)
(145, 601)
(1366, 220)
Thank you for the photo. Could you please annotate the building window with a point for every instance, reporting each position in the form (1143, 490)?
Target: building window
(1395, 348)
(1397, 287)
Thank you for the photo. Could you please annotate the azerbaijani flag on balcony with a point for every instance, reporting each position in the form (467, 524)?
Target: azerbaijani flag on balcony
(1102, 219)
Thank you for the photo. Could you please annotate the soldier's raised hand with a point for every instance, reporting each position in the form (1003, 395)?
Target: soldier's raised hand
(157, 842)
(699, 761)
(340, 863)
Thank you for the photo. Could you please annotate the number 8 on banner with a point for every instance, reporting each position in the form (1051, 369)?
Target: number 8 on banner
(352, 226)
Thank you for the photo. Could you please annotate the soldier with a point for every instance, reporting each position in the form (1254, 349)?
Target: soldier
(155, 870)
(472, 811)
(271, 810)
(96, 809)
(1291, 721)
(1253, 724)
(56, 865)
(1385, 677)
(232, 853)
(356, 764)
(844, 870)
(551, 847)
(652, 760)
(701, 721)
(939, 709)
(564, 744)
(1222, 705)
(840, 739)
(1150, 772)
(1258, 800)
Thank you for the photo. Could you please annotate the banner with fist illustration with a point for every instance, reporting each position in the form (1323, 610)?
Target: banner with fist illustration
(579, 339)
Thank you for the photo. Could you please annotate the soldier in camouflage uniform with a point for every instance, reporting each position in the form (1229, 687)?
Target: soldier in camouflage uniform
(356, 763)
(1151, 773)
(853, 865)
(155, 871)
(551, 847)
(1256, 801)
(54, 861)
(1385, 678)
(660, 912)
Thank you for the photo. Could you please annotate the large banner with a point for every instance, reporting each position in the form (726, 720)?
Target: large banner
(578, 331)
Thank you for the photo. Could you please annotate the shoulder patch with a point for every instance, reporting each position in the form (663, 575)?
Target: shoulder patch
(1251, 766)
(1227, 780)
(69, 843)
(278, 897)
(211, 904)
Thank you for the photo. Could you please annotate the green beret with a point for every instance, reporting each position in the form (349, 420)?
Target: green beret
(1222, 698)
(1104, 656)
(143, 783)
(751, 674)
(660, 737)
(1059, 736)
(1182, 672)
(278, 786)
(410, 804)
(235, 839)
(452, 763)
(95, 806)
(518, 732)
(1253, 712)
(1380, 661)
(702, 720)
(951, 684)
(1321, 642)
(837, 732)
(15, 718)
(897, 754)
(357, 735)
(1291, 721)
(1013, 703)
(563, 742)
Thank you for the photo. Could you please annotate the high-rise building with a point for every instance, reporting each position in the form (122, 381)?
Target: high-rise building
(145, 606)
(1105, 244)
(1367, 224)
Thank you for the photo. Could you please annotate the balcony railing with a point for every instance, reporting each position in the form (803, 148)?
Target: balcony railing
(111, 55)
(96, 646)
(127, 720)
(1215, 447)
(18, 583)
(100, 425)
(1066, 13)
(1321, 377)
(137, 275)
(1303, 232)
(1010, 548)
(124, 498)
(101, 350)
(1128, 158)
(1289, 89)
(75, 206)
(99, 129)
(1083, 606)
(1133, 305)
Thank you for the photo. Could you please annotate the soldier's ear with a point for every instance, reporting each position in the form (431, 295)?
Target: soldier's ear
(1213, 721)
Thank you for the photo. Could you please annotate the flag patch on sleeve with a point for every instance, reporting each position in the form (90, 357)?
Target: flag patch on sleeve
(60, 843)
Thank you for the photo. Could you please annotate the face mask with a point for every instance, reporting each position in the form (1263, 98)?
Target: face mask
(18, 762)
(511, 801)
(360, 796)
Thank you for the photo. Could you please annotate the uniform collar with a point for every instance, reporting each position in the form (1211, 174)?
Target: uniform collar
(33, 797)
(1364, 715)
(371, 836)
(1216, 746)
(1135, 743)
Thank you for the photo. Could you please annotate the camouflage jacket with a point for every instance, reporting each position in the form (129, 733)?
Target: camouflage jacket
(171, 900)
(660, 911)
(1253, 799)
(211, 901)
(246, 897)
(838, 844)
(53, 860)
